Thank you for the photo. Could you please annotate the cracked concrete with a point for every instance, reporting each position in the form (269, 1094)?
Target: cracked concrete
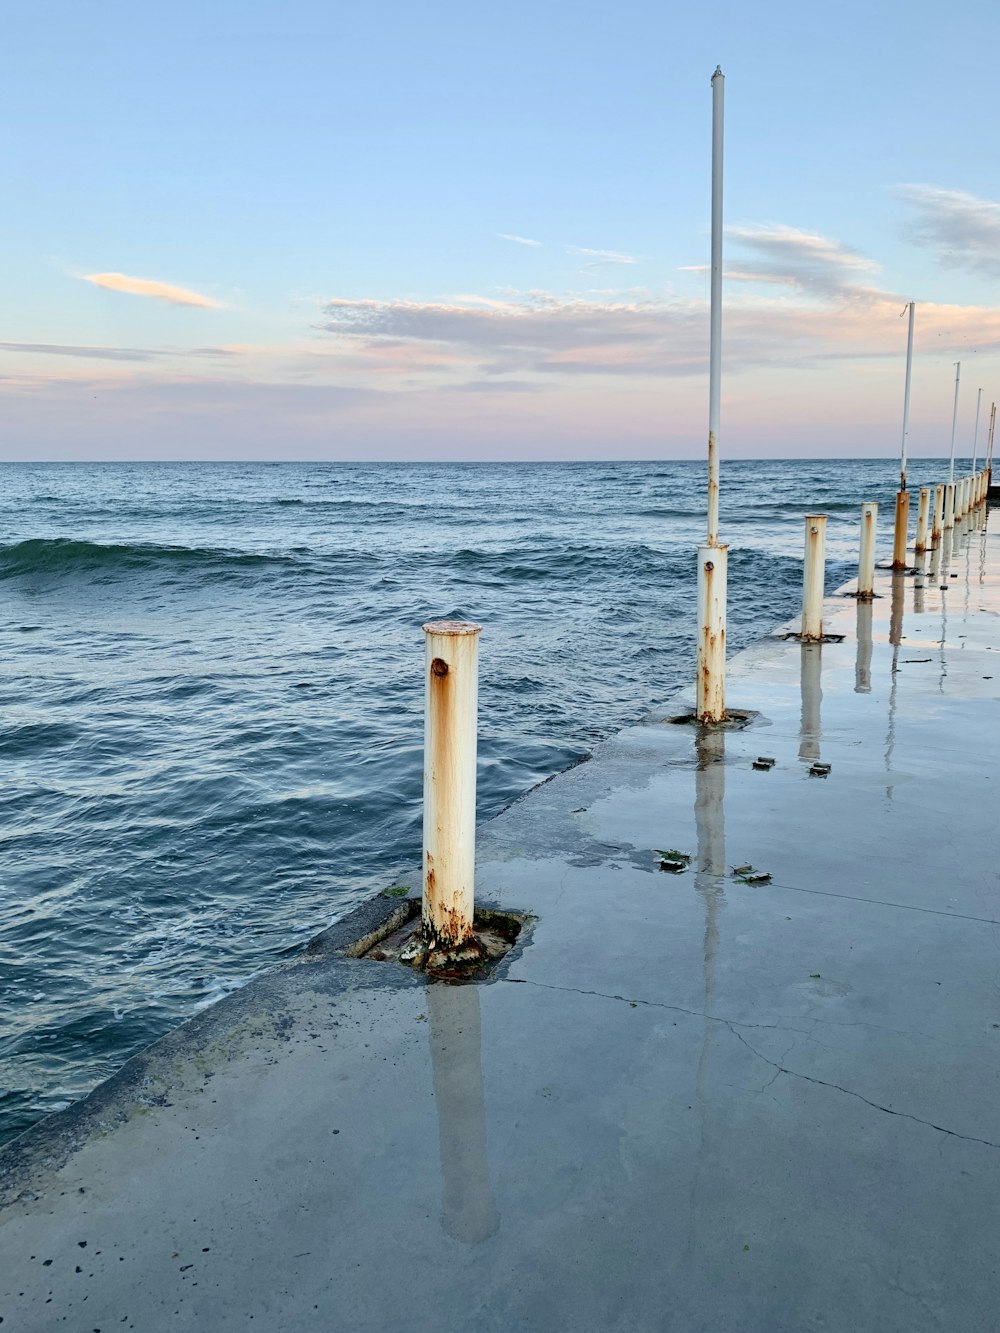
(683, 1102)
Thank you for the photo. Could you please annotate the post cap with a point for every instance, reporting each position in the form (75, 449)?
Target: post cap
(451, 627)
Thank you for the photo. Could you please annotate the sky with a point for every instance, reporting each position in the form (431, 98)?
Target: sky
(305, 230)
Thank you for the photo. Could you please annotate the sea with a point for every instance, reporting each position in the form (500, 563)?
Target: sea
(211, 694)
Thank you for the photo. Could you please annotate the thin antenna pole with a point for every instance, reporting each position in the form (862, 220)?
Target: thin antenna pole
(954, 421)
(715, 336)
(975, 437)
(906, 399)
(989, 445)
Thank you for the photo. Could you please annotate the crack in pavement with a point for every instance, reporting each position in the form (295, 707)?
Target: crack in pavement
(876, 1106)
(733, 1023)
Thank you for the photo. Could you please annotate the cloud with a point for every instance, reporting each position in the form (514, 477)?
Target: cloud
(543, 338)
(963, 231)
(161, 291)
(518, 240)
(116, 353)
(598, 257)
(805, 262)
(99, 353)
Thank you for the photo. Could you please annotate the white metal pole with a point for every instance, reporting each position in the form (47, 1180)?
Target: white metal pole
(713, 558)
(949, 506)
(906, 399)
(452, 688)
(813, 571)
(975, 434)
(954, 422)
(866, 561)
(715, 326)
(923, 514)
(938, 513)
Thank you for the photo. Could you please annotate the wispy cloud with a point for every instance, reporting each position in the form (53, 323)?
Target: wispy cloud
(160, 291)
(518, 240)
(963, 231)
(830, 316)
(598, 257)
(805, 262)
(97, 353)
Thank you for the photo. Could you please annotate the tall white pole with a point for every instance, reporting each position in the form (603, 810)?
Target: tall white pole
(954, 422)
(975, 435)
(906, 399)
(712, 558)
(715, 333)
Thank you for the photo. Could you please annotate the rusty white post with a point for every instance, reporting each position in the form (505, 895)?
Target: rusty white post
(949, 506)
(866, 560)
(713, 558)
(923, 514)
(901, 530)
(938, 514)
(812, 577)
(712, 572)
(452, 688)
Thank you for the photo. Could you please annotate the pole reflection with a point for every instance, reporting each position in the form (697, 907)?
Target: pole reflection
(810, 732)
(863, 661)
(920, 583)
(468, 1208)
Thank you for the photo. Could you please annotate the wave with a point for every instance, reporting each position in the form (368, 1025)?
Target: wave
(66, 555)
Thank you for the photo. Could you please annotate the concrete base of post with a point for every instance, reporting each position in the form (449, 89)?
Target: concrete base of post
(713, 565)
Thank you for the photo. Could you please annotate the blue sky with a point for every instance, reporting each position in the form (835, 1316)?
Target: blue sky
(304, 230)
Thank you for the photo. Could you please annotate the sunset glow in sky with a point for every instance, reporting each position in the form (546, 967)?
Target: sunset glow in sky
(298, 230)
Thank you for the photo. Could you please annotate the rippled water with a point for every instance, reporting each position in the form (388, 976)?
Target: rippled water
(210, 683)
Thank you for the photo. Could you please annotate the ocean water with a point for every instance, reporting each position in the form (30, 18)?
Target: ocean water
(211, 695)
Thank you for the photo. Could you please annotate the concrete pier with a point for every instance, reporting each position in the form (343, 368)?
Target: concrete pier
(686, 1101)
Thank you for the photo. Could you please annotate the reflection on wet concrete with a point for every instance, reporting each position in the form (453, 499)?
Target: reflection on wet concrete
(810, 732)
(896, 611)
(920, 582)
(863, 662)
(895, 638)
(709, 801)
(710, 825)
(983, 521)
(468, 1208)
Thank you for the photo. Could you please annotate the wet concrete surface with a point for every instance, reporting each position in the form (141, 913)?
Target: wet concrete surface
(681, 1103)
